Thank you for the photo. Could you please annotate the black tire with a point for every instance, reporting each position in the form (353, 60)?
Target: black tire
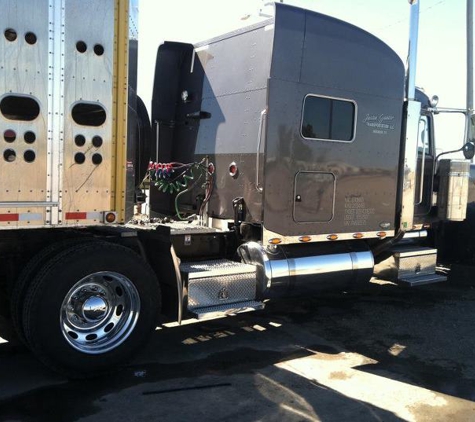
(21, 285)
(43, 315)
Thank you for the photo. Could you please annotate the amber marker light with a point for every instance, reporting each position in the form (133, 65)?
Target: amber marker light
(358, 235)
(332, 237)
(110, 217)
(275, 241)
(305, 238)
(381, 234)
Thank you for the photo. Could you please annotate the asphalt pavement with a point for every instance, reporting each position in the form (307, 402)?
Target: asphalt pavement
(382, 353)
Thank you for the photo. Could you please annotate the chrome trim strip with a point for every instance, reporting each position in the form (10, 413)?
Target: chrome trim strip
(27, 204)
(56, 65)
(415, 235)
(289, 240)
(259, 141)
(413, 114)
(423, 160)
(179, 284)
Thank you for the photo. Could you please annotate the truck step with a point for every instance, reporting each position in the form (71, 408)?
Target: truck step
(420, 280)
(218, 282)
(410, 266)
(227, 309)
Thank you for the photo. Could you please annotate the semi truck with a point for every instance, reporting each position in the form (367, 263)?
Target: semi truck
(284, 158)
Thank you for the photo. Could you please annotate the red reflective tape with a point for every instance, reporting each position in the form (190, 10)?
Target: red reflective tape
(9, 217)
(76, 216)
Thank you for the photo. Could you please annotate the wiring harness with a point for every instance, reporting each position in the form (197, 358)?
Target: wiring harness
(179, 178)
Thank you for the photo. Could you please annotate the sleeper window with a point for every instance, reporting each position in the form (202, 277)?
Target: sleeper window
(328, 118)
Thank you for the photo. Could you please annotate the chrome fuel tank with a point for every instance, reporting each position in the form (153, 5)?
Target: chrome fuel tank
(283, 271)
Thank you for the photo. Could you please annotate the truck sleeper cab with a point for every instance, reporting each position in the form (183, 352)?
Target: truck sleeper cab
(278, 167)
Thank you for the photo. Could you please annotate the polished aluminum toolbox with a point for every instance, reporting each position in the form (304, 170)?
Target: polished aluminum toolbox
(218, 282)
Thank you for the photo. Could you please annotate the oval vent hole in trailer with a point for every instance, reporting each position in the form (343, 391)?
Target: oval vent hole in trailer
(97, 159)
(87, 114)
(81, 46)
(79, 158)
(79, 140)
(9, 135)
(29, 137)
(9, 155)
(99, 49)
(97, 141)
(10, 34)
(30, 38)
(14, 107)
(29, 156)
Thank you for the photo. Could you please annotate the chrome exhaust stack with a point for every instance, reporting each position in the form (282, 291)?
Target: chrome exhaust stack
(470, 122)
(412, 55)
(280, 274)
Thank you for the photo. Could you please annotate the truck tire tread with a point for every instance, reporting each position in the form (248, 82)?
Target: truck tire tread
(68, 361)
(27, 274)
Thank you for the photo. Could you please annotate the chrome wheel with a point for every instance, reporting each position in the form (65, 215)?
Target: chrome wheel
(100, 312)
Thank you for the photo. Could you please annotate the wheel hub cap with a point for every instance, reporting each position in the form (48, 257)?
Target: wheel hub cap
(99, 312)
(95, 308)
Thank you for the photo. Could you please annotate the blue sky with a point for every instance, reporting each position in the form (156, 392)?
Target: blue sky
(442, 45)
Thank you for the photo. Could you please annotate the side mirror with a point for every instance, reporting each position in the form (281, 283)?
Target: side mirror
(469, 150)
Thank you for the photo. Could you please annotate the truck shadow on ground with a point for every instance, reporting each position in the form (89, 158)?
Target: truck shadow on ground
(225, 386)
(225, 369)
